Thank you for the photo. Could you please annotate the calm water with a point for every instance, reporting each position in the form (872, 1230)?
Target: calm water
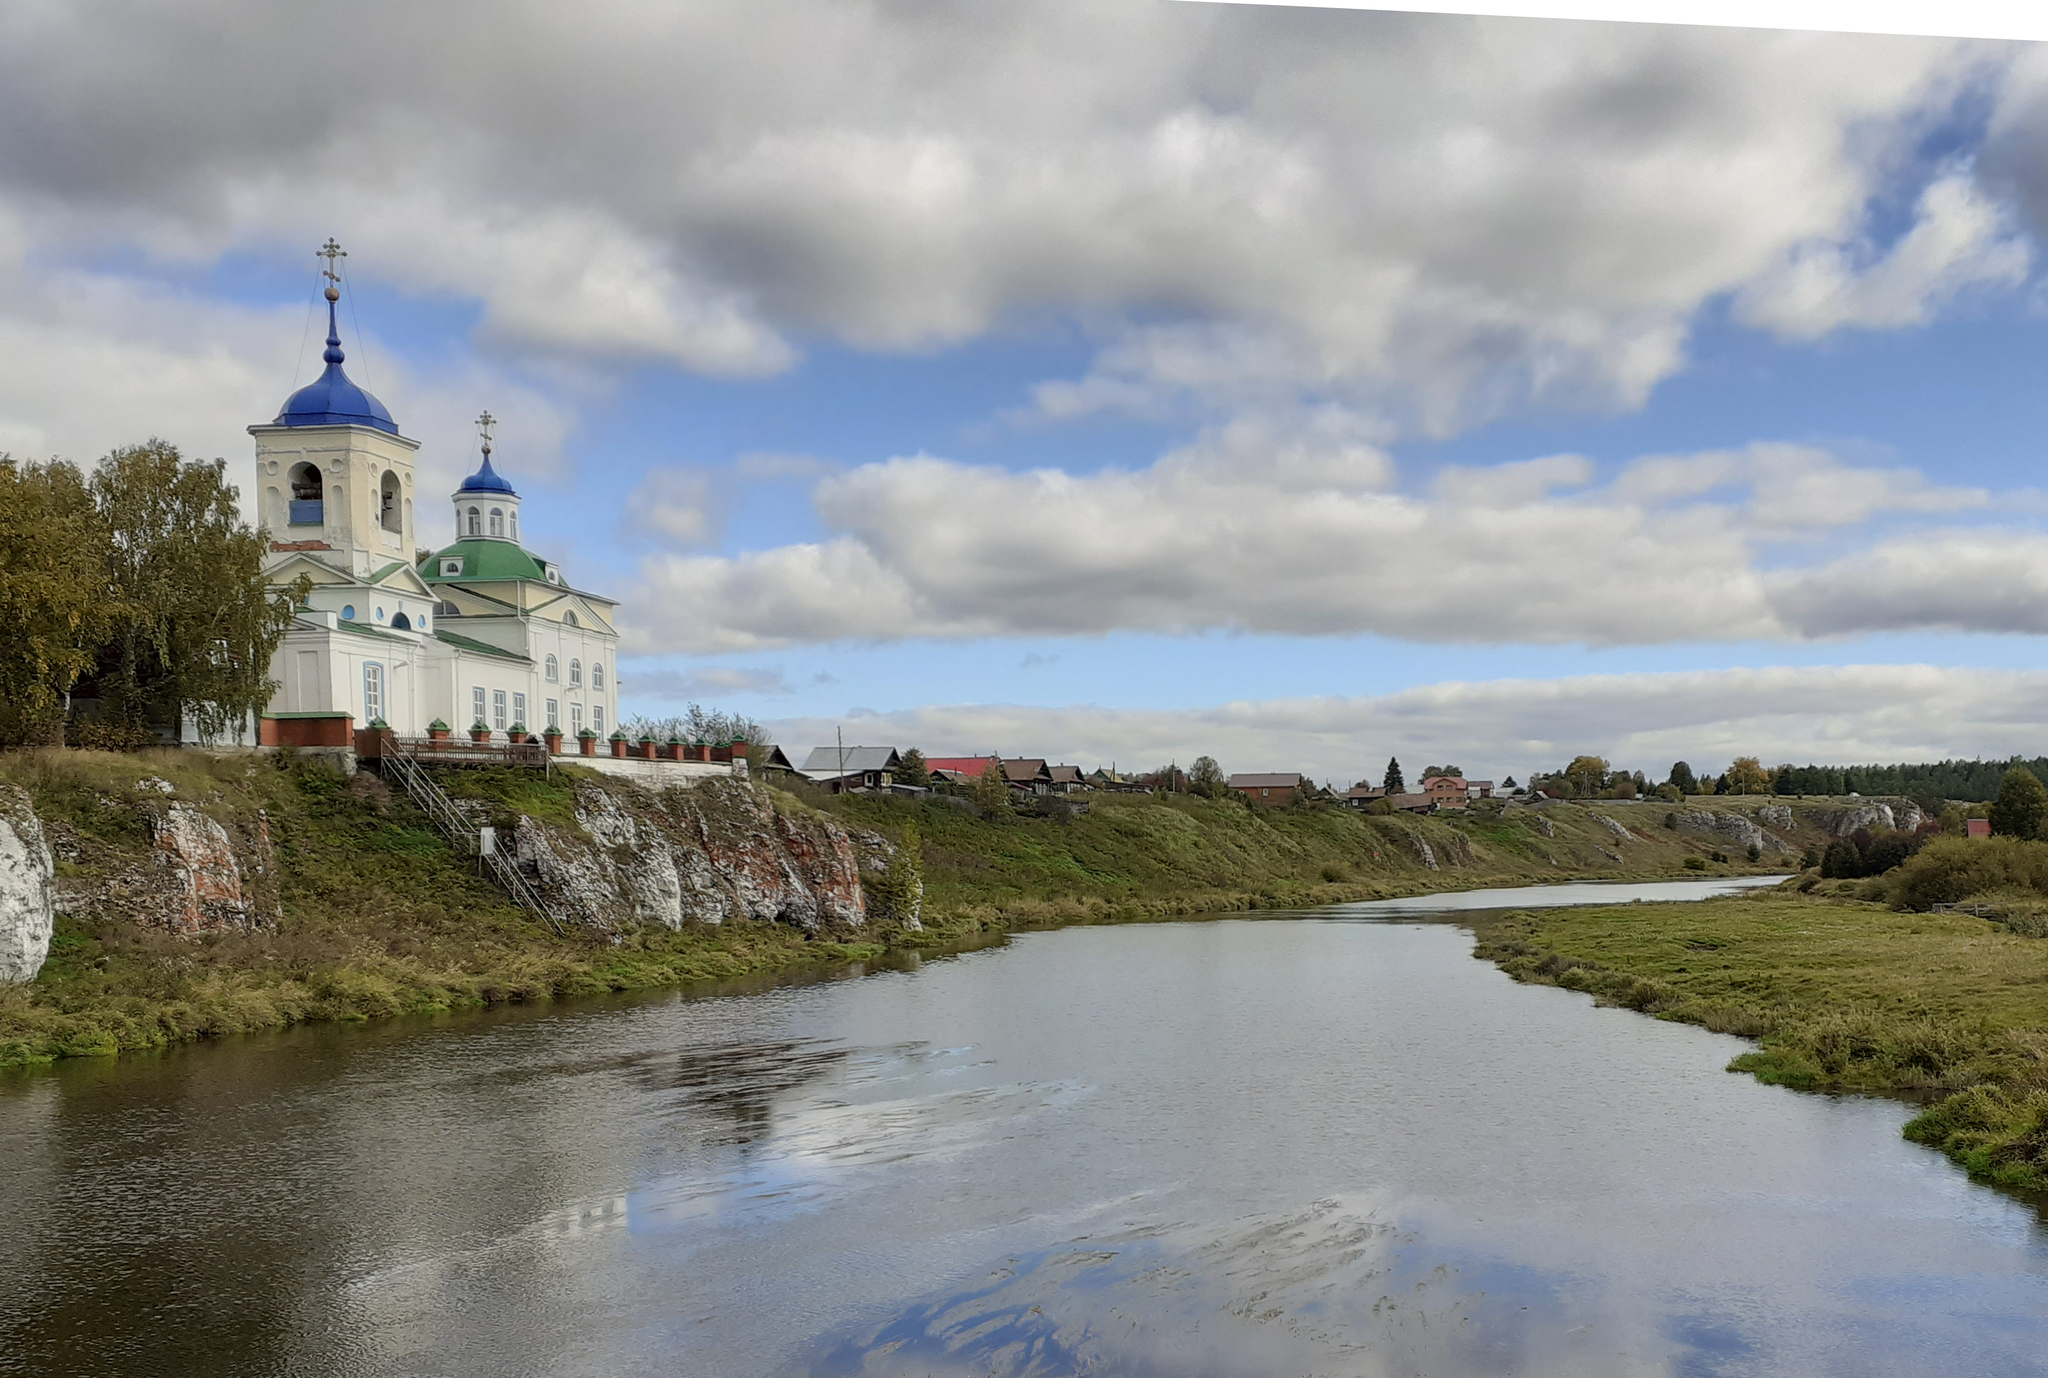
(1327, 1145)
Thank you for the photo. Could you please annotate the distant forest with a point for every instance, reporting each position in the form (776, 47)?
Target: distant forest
(1967, 780)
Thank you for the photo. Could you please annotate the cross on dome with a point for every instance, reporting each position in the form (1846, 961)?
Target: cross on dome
(333, 399)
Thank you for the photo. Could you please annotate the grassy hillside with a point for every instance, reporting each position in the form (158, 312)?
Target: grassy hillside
(1134, 856)
(380, 918)
(1842, 994)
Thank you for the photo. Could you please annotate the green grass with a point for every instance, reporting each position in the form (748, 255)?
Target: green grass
(1841, 995)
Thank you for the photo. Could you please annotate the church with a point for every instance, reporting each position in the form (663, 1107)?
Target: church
(481, 630)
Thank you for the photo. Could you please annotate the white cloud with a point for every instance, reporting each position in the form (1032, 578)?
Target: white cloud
(706, 681)
(1433, 214)
(679, 506)
(1960, 238)
(1313, 540)
(1835, 714)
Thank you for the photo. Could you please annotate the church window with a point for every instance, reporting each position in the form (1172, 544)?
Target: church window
(597, 674)
(447, 609)
(373, 692)
(390, 510)
(554, 712)
(554, 670)
(451, 568)
(497, 521)
(476, 703)
(575, 672)
(515, 523)
(348, 612)
(569, 620)
(518, 708)
(401, 622)
(498, 719)
(597, 717)
(576, 719)
(306, 508)
(380, 614)
(476, 522)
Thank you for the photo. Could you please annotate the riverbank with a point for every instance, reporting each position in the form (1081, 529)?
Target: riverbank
(1841, 995)
(377, 917)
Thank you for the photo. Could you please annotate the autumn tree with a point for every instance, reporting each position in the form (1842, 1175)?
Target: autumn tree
(990, 790)
(1748, 776)
(55, 602)
(195, 622)
(1586, 776)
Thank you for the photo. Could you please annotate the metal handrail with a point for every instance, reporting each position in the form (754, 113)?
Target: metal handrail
(434, 802)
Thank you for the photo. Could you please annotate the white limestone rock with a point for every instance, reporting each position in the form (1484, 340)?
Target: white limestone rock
(26, 913)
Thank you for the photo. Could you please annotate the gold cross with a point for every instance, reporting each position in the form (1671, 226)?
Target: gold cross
(330, 251)
(483, 427)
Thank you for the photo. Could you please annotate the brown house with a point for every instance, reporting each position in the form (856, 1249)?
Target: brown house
(1278, 787)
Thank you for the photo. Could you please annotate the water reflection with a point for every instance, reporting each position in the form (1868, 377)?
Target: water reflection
(1233, 1147)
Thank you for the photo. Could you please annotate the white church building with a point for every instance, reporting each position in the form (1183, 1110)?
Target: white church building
(479, 631)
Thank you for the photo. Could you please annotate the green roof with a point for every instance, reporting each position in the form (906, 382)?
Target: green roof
(344, 624)
(484, 559)
(466, 643)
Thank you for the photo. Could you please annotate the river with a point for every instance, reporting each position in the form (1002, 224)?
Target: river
(1328, 1144)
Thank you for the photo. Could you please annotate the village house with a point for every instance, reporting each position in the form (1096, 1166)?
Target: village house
(1278, 787)
(1028, 775)
(957, 770)
(843, 768)
(1067, 779)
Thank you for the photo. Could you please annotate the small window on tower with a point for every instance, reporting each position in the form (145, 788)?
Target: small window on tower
(476, 522)
(390, 503)
(451, 568)
(497, 521)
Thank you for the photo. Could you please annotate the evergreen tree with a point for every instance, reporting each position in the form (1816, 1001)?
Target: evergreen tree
(1393, 781)
(911, 770)
(1682, 778)
(2021, 805)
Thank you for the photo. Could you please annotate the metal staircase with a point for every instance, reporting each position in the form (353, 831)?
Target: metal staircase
(434, 802)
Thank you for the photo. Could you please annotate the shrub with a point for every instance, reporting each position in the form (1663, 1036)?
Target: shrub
(1693, 863)
(1755, 853)
(1949, 870)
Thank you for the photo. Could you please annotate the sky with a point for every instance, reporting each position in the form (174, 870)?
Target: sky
(1121, 381)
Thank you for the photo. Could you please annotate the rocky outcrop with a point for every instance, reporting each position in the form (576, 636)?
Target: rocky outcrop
(26, 915)
(1621, 833)
(1874, 814)
(1731, 828)
(715, 852)
(199, 877)
(1777, 816)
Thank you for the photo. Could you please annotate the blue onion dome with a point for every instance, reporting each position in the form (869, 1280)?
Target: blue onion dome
(486, 480)
(331, 399)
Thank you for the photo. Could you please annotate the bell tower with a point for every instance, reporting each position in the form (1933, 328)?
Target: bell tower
(334, 477)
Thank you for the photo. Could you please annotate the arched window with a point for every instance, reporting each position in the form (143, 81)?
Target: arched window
(390, 503)
(401, 622)
(554, 670)
(575, 672)
(569, 619)
(476, 522)
(497, 521)
(447, 609)
(306, 507)
(515, 523)
(597, 674)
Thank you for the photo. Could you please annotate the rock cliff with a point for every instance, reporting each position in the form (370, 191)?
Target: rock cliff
(719, 851)
(197, 877)
(25, 892)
